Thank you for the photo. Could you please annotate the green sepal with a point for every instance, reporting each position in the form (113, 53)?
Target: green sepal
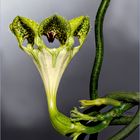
(80, 27)
(24, 28)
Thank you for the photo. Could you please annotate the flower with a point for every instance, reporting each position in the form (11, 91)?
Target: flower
(52, 62)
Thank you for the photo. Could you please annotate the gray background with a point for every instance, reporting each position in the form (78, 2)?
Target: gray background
(24, 106)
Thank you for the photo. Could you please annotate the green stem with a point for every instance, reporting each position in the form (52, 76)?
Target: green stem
(99, 53)
(98, 128)
(99, 48)
(113, 113)
(123, 120)
(132, 97)
(123, 133)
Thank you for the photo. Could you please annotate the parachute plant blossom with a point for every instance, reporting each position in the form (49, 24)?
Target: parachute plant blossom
(52, 62)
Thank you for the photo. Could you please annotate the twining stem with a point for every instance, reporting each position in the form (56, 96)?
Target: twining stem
(112, 113)
(99, 53)
(123, 133)
(99, 48)
(123, 120)
(131, 97)
(132, 123)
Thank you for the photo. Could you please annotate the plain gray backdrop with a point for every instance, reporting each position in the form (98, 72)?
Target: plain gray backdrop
(24, 107)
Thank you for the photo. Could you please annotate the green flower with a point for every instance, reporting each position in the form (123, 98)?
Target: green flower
(52, 62)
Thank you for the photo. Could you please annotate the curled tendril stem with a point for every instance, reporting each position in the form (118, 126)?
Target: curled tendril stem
(99, 53)
(123, 133)
(99, 48)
